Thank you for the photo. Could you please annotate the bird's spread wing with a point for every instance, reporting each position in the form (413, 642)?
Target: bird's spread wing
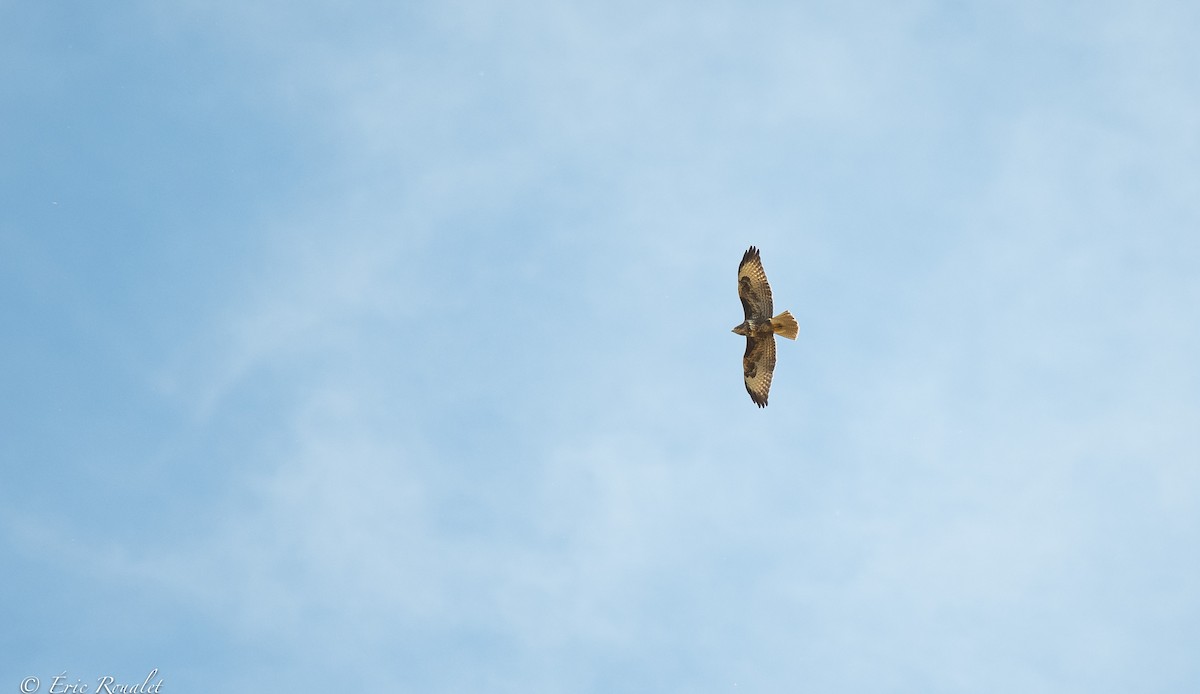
(753, 289)
(757, 365)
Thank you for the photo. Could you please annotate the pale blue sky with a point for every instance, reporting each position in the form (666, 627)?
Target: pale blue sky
(374, 345)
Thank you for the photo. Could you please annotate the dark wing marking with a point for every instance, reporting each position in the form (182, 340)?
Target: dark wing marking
(757, 366)
(753, 289)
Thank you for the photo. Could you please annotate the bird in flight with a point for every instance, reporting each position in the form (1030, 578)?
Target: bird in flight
(760, 328)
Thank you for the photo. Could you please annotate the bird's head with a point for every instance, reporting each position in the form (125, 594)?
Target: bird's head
(742, 329)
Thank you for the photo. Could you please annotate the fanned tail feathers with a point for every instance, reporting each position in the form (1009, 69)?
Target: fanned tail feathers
(785, 325)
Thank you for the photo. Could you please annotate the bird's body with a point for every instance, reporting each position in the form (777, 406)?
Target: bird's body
(755, 328)
(760, 327)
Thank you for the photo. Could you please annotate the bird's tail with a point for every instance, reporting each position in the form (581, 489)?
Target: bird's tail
(784, 324)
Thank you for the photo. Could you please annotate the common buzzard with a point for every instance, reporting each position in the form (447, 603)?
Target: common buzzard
(759, 327)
